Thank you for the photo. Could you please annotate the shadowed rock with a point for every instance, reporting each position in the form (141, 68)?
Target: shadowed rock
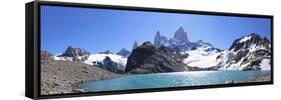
(148, 59)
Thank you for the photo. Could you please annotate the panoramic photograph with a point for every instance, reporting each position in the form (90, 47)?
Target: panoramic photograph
(95, 50)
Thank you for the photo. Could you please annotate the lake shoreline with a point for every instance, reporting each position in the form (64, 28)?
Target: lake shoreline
(266, 77)
(64, 77)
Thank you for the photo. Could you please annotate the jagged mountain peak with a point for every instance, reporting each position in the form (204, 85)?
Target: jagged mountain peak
(158, 33)
(147, 44)
(106, 52)
(250, 41)
(181, 35)
(248, 52)
(180, 42)
(124, 52)
(135, 45)
(157, 40)
(77, 54)
(77, 51)
(160, 40)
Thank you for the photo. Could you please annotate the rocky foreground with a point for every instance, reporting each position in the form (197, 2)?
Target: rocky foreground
(61, 77)
(264, 78)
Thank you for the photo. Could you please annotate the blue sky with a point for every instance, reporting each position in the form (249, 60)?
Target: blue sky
(98, 30)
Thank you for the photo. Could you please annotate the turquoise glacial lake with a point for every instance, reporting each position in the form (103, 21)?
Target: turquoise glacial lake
(174, 79)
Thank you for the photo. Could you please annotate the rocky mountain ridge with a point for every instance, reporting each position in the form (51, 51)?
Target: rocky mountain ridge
(250, 52)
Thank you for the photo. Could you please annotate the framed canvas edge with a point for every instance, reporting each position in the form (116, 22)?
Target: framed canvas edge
(36, 70)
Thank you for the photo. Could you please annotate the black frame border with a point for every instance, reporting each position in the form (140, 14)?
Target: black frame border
(37, 47)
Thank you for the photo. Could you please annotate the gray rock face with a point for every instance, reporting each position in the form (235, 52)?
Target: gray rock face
(157, 41)
(78, 54)
(123, 52)
(179, 42)
(110, 65)
(135, 45)
(181, 35)
(160, 40)
(148, 59)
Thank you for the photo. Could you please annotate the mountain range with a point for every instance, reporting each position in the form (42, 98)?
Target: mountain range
(249, 52)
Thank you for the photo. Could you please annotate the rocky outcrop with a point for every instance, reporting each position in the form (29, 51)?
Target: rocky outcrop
(247, 53)
(123, 52)
(76, 54)
(148, 59)
(110, 65)
(181, 35)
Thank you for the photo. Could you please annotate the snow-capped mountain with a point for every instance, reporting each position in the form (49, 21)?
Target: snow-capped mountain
(200, 54)
(181, 36)
(180, 41)
(106, 60)
(111, 62)
(250, 52)
(203, 55)
(73, 54)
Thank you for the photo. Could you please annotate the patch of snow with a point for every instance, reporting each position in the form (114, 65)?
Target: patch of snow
(253, 47)
(100, 57)
(56, 57)
(201, 58)
(97, 58)
(265, 64)
(245, 39)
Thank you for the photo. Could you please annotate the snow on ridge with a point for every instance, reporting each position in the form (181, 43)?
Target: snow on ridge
(96, 57)
(56, 57)
(264, 65)
(100, 57)
(245, 39)
(201, 58)
(63, 58)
